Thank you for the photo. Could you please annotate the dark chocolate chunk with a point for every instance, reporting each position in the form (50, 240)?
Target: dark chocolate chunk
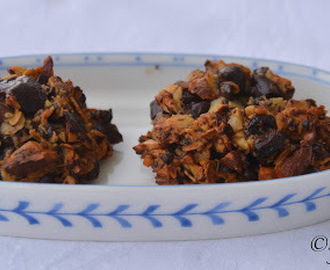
(261, 124)
(49, 129)
(215, 154)
(50, 92)
(93, 174)
(200, 108)
(249, 174)
(311, 102)
(42, 133)
(222, 168)
(50, 178)
(80, 96)
(2, 96)
(104, 116)
(27, 92)
(317, 147)
(310, 169)
(46, 131)
(102, 122)
(320, 151)
(45, 179)
(154, 109)
(228, 130)
(228, 90)
(234, 74)
(251, 171)
(113, 134)
(46, 71)
(167, 158)
(74, 123)
(268, 144)
(261, 85)
(187, 98)
(220, 180)
(6, 144)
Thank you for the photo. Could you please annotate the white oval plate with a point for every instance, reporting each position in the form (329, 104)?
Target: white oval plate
(125, 204)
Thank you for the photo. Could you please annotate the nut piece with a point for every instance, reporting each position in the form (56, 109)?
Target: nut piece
(266, 173)
(169, 130)
(29, 162)
(205, 87)
(234, 160)
(169, 99)
(294, 164)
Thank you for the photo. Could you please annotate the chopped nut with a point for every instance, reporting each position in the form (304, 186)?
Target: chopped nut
(236, 120)
(205, 87)
(217, 105)
(169, 99)
(29, 162)
(294, 164)
(266, 173)
(234, 160)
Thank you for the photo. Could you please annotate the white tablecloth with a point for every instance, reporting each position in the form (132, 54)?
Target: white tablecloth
(294, 31)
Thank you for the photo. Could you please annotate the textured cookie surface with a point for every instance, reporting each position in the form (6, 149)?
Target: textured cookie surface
(47, 133)
(231, 124)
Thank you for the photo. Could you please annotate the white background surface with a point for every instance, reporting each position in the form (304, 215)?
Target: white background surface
(293, 31)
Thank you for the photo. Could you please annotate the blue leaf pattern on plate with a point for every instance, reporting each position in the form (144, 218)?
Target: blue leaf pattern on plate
(151, 213)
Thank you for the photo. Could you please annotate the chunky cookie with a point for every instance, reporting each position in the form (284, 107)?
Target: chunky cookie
(230, 124)
(47, 133)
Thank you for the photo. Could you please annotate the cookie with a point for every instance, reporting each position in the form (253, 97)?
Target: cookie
(230, 124)
(47, 133)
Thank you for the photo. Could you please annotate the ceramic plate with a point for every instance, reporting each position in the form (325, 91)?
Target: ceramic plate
(125, 204)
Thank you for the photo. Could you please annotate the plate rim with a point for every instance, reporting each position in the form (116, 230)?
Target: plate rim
(145, 53)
